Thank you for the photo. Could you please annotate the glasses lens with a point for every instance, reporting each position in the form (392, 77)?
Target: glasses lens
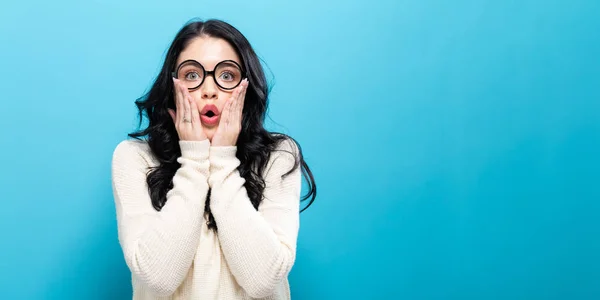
(191, 74)
(228, 75)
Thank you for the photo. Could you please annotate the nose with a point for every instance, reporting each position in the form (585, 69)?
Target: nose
(208, 89)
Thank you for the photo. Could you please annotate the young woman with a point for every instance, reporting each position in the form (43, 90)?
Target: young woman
(207, 200)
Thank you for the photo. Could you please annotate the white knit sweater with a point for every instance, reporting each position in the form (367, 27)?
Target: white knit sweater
(173, 255)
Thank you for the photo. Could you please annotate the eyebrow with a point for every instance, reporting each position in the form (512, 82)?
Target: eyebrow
(203, 64)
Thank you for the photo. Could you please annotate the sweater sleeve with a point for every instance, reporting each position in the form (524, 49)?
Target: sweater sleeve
(259, 246)
(159, 246)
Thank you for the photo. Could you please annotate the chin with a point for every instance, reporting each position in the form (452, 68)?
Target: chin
(210, 133)
(209, 136)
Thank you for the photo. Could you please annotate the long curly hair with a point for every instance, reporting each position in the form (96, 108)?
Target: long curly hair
(255, 144)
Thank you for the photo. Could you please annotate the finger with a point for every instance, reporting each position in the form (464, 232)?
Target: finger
(237, 109)
(235, 96)
(236, 103)
(194, 111)
(227, 113)
(186, 105)
(185, 92)
(178, 104)
(242, 99)
(227, 106)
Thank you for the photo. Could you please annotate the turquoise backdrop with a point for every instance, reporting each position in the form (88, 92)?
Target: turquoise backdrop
(455, 143)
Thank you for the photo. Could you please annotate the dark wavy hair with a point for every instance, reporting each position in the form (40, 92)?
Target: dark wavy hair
(255, 144)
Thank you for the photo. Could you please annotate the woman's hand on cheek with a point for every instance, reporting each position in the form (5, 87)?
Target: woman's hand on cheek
(231, 119)
(186, 115)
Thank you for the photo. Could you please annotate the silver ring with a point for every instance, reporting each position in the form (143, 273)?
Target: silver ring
(186, 120)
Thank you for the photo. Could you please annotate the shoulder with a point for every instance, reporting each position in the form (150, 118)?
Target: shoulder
(286, 144)
(132, 151)
(130, 147)
(285, 157)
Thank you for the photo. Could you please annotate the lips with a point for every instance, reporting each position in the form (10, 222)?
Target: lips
(209, 115)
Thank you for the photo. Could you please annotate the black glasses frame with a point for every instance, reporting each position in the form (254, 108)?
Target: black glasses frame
(212, 73)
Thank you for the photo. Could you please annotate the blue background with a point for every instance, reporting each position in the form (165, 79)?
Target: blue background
(455, 143)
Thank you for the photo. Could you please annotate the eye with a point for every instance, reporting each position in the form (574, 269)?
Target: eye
(192, 76)
(227, 76)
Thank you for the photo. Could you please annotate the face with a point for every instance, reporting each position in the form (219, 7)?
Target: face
(209, 52)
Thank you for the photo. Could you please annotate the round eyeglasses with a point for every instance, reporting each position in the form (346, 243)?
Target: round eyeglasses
(227, 74)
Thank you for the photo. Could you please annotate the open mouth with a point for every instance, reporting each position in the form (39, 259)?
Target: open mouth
(210, 115)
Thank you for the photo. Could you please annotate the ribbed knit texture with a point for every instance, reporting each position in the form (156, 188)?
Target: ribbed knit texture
(173, 255)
